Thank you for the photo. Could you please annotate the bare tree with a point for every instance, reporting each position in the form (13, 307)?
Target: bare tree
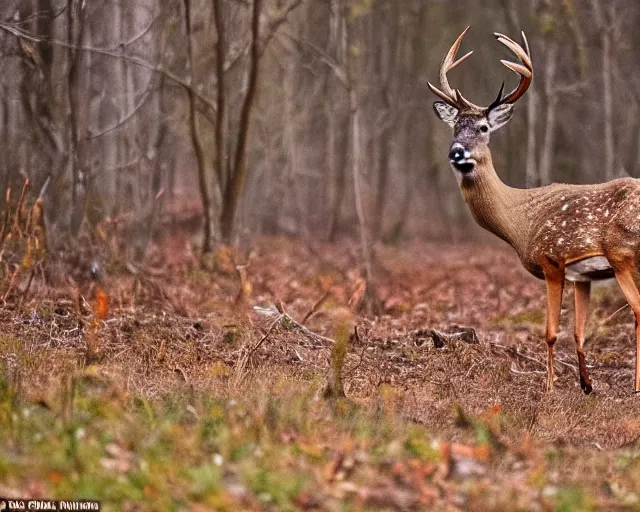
(116, 101)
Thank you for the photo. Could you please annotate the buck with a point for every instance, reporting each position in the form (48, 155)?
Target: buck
(577, 233)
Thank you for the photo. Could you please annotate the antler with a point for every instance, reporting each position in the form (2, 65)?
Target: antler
(449, 95)
(453, 96)
(525, 70)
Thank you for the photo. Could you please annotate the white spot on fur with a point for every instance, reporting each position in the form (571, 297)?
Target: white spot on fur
(565, 206)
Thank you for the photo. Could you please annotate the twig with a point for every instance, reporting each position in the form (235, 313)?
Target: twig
(564, 363)
(18, 214)
(512, 369)
(612, 315)
(12, 281)
(26, 290)
(327, 59)
(519, 354)
(179, 370)
(146, 94)
(308, 331)
(7, 215)
(533, 359)
(266, 335)
(44, 187)
(156, 68)
(316, 307)
(243, 360)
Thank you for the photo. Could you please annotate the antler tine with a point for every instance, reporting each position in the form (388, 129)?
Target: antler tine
(449, 62)
(526, 44)
(447, 93)
(441, 95)
(498, 99)
(525, 70)
(454, 96)
(465, 102)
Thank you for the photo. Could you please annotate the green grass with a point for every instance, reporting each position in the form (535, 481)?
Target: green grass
(269, 446)
(528, 316)
(184, 449)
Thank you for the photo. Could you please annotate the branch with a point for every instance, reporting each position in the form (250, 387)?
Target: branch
(338, 70)
(156, 68)
(41, 14)
(145, 96)
(136, 37)
(275, 23)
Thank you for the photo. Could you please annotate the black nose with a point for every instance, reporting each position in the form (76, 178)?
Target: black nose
(456, 153)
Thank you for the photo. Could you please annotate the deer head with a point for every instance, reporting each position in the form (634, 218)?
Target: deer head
(471, 123)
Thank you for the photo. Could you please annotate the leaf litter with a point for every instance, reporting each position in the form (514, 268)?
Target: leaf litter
(443, 403)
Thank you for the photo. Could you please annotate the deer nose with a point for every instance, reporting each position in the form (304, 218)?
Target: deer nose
(457, 153)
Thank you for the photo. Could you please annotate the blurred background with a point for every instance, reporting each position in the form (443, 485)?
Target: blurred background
(235, 118)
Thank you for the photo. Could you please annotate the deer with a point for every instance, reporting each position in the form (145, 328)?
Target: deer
(560, 232)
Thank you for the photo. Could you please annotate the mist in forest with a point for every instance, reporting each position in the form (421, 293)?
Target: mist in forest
(305, 117)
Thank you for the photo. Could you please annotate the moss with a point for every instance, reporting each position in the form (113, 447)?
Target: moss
(528, 316)
(573, 499)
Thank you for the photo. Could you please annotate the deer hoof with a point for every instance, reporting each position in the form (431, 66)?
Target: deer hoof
(586, 386)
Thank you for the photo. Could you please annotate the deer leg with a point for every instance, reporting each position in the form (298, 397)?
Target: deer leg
(554, 302)
(582, 295)
(625, 279)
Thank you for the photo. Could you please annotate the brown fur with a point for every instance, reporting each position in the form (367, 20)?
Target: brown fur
(553, 226)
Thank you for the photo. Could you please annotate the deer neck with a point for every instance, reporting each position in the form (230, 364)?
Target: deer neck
(495, 206)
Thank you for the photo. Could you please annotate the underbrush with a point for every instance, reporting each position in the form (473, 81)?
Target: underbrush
(182, 386)
(275, 444)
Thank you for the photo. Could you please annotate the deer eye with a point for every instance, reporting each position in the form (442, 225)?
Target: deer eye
(484, 128)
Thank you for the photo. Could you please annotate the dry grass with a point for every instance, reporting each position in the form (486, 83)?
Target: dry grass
(467, 425)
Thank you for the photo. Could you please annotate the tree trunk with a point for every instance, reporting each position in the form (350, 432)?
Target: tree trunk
(551, 97)
(356, 170)
(220, 161)
(381, 192)
(209, 234)
(75, 37)
(531, 171)
(356, 159)
(609, 145)
(234, 190)
(335, 125)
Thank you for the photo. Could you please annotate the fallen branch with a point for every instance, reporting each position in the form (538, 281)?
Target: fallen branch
(612, 316)
(308, 331)
(465, 334)
(280, 315)
(266, 335)
(280, 310)
(316, 307)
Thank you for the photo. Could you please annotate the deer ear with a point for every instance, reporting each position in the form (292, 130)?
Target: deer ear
(445, 112)
(499, 115)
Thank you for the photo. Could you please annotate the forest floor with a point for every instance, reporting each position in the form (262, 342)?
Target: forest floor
(195, 385)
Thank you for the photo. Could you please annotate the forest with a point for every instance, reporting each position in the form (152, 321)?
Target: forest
(237, 271)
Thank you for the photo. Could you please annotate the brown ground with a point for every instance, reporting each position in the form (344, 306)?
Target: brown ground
(177, 325)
